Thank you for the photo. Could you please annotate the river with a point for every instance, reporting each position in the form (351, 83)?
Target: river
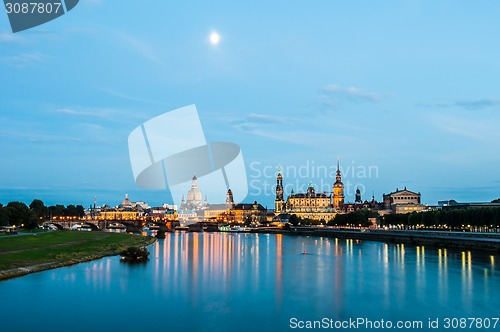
(256, 282)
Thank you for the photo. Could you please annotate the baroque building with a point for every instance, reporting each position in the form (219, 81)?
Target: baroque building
(242, 213)
(191, 209)
(403, 201)
(310, 204)
(194, 197)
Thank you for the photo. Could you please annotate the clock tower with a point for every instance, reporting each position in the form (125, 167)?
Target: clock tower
(338, 190)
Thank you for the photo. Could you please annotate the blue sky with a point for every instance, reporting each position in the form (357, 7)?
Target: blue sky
(407, 87)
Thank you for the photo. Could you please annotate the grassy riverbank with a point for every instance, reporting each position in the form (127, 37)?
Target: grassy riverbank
(20, 255)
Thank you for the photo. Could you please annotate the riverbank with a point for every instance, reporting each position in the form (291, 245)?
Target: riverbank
(446, 239)
(21, 255)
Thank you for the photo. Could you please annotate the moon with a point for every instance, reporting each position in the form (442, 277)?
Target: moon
(214, 38)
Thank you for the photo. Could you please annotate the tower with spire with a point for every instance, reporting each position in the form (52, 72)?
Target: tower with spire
(358, 196)
(229, 200)
(279, 202)
(338, 189)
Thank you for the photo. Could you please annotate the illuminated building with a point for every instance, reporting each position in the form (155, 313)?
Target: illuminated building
(311, 205)
(249, 213)
(191, 210)
(279, 202)
(338, 190)
(235, 213)
(127, 210)
(403, 201)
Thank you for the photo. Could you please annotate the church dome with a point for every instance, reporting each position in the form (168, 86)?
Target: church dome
(126, 202)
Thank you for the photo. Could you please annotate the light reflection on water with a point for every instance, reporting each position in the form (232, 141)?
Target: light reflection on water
(203, 281)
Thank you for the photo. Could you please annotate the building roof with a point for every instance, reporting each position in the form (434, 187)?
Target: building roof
(126, 202)
(402, 191)
(216, 207)
(454, 203)
(248, 206)
(305, 195)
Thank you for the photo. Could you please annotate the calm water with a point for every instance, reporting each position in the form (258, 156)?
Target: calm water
(249, 282)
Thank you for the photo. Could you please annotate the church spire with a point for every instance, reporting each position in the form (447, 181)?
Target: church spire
(229, 200)
(338, 189)
(338, 176)
(279, 201)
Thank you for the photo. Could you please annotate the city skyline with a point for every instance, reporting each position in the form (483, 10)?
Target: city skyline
(408, 88)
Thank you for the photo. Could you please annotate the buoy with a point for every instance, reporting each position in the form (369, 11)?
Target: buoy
(304, 253)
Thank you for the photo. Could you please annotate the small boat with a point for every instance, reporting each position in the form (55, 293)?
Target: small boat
(234, 229)
(135, 254)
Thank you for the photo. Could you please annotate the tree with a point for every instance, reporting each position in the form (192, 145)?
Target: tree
(294, 220)
(160, 234)
(80, 211)
(496, 200)
(4, 217)
(248, 221)
(57, 210)
(356, 218)
(39, 209)
(20, 215)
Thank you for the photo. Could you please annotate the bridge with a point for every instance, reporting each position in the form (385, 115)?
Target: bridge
(95, 225)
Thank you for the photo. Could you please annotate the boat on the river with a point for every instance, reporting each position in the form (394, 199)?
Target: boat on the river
(135, 254)
(234, 229)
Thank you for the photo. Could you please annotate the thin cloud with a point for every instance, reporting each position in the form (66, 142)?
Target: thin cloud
(131, 98)
(265, 118)
(253, 121)
(296, 138)
(333, 95)
(277, 128)
(468, 128)
(144, 49)
(35, 137)
(471, 105)
(73, 112)
(110, 114)
(9, 37)
(25, 59)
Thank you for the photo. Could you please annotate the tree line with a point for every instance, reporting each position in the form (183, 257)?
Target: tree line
(356, 218)
(457, 218)
(18, 213)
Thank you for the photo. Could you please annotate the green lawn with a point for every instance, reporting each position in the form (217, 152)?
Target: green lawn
(63, 247)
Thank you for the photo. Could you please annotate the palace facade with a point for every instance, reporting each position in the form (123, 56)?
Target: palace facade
(311, 205)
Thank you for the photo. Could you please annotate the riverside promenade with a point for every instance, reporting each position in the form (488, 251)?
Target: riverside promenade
(451, 239)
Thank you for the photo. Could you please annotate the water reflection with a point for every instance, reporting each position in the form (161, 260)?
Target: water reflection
(467, 285)
(208, 281)
(443, 274)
